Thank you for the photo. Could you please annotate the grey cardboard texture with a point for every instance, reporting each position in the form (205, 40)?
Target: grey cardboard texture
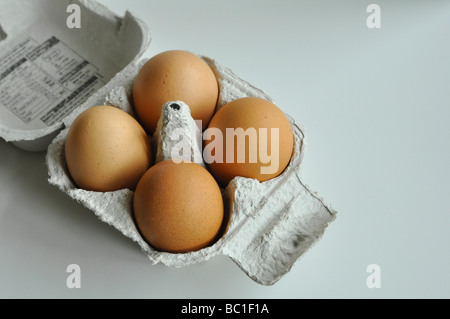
(47, 69)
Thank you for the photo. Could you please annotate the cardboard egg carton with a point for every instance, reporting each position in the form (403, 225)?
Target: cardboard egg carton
(269, 225)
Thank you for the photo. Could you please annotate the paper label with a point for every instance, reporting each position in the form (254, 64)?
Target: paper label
(43, 82)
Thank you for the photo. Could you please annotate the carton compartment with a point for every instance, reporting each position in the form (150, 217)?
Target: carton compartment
(50, 66)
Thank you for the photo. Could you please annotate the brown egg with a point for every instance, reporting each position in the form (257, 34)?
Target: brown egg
(178, 207)
(106, 150)
(249, 137)
(175, 76)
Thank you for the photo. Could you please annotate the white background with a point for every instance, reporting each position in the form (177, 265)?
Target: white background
(374, 104)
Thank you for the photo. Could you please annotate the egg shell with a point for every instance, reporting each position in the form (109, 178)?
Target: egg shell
(252, 116)
(107, 149)
(178, 207)
(271, 225)
(175, 75)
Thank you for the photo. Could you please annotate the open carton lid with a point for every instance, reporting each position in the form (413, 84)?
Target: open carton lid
(47, 71)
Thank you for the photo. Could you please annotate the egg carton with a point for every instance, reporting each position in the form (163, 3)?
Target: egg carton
(269, 224)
